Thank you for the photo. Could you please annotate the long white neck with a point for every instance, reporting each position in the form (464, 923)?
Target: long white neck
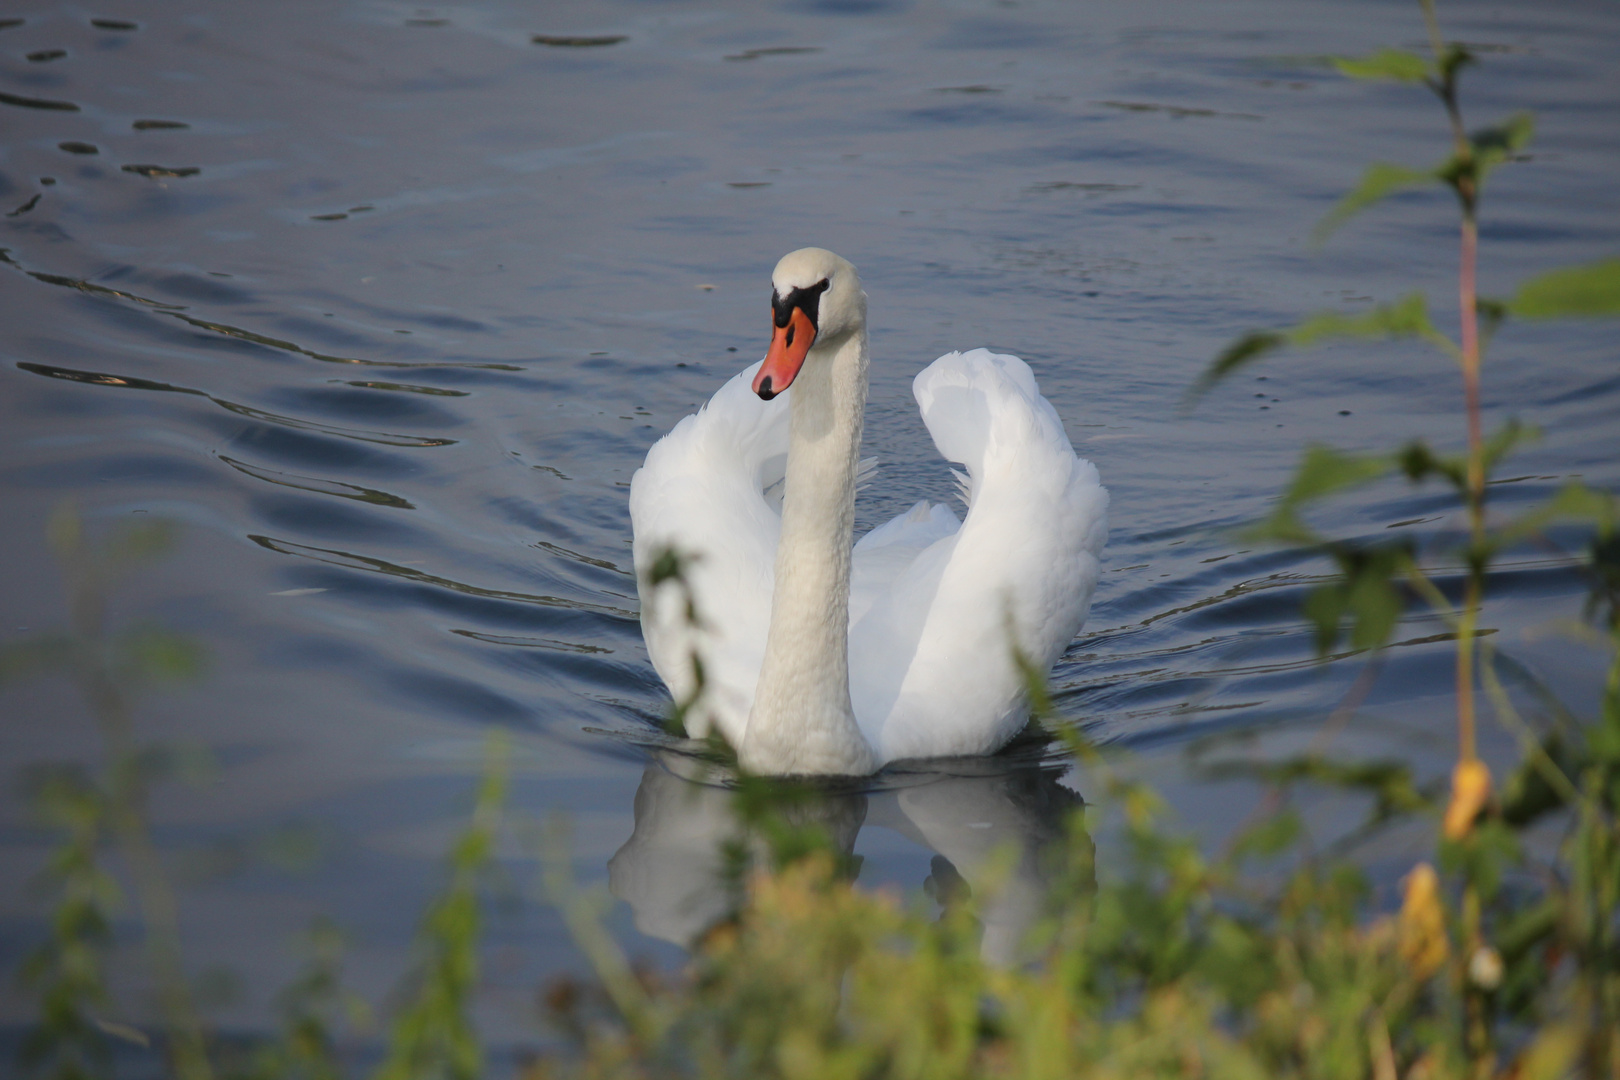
(802, 722)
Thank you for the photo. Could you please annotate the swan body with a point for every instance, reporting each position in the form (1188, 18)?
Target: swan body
(820, 656)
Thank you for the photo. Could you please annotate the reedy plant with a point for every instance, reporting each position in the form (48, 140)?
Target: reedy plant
(104, 808)
(106, 805)
(433, 1036)
(1563, 770)
(68, 971)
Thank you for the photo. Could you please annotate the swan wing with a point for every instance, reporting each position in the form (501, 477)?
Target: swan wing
(702, 492)
(932, 668)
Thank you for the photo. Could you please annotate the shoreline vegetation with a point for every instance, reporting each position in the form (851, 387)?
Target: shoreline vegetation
(1266, 959)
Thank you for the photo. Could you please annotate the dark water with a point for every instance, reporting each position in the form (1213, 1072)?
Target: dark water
(385, 304)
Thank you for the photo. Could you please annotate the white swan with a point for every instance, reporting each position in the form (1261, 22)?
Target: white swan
(822, 660)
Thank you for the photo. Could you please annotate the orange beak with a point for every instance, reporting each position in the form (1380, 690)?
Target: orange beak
(789, 346)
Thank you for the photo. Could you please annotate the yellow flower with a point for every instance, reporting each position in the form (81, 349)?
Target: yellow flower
(1422, 923)
(1470, 789)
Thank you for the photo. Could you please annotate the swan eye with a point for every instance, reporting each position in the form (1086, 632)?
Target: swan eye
(806, 298)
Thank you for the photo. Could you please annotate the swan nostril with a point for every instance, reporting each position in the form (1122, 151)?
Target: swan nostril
(765, 392)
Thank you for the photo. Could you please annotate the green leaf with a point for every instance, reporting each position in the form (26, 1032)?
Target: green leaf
(1491, 313)
(1408, 317)
(1381, 180)
(1454, 59)
(1364, 595)
(1250, 346)
(1270, 836)
(1487, 148)
(1322, 471)
(1503, 442)
(1528, 926)
(1373, 603)
(667, 566)
(1418, 462)
(1603, 603)
(161, 656)
(1588, 290)
(1574, 502)
(1396, 64)
(1527, 793)
(1501, 141)
(1324, 607)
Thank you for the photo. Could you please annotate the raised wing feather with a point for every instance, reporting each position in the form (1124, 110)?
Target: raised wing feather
(702, 492)
(931, 658)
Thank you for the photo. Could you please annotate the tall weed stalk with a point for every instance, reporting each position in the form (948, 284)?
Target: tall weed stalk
(109, 804)
(104, 810)
(1479, 828)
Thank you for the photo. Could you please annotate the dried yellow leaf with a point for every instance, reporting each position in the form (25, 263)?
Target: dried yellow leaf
(1422, 923)
(1470, 790)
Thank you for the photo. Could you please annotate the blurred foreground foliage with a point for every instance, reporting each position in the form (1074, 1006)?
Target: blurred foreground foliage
(1268, 959)
(1171, 963)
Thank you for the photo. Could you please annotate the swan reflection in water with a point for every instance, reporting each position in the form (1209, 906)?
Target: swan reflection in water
(998, 827)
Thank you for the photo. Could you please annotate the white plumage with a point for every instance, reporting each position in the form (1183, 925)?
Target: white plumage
(936, 605)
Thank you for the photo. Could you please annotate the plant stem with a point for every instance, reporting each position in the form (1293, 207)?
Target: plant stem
(1477, 1034)
(1468, 311)
(1466, 186)
(1466, 745)
(1432, 24)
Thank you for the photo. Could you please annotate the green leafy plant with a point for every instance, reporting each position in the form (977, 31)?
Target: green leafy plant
(1366, 596)
(68, 971)
(433, 1036)
(109, 805)
(102, 811)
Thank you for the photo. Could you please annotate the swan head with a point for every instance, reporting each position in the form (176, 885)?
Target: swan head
(815, 297)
